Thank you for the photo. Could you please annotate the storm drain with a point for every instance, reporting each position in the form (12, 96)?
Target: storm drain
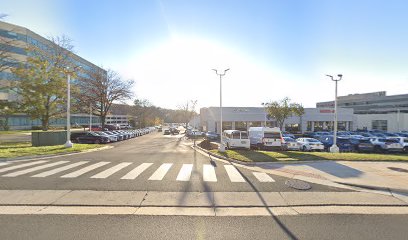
(398, 169)
(297, 184)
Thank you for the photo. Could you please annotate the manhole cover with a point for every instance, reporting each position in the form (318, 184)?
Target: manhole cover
(297, 184)
(398, 169)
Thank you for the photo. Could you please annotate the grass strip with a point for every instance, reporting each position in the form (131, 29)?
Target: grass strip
(20, 149)
(286, 156)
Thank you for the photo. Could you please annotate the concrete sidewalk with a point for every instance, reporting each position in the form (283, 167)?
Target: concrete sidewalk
(198, 203)
(391, 177)
(385, 176)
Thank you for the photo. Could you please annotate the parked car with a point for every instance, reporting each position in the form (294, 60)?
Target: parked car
(265, 137)
(361, 145)
(386, 144)
(403, 141)
(235, 139)
(287, 134)
(118, 136)
(290, 144)
(112, 138)
(166, 132)
(92, 137)
(212, 135)
(75, 135)
(343, 143)
(310, 144)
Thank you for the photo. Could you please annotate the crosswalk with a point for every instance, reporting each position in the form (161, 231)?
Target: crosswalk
(127, 171)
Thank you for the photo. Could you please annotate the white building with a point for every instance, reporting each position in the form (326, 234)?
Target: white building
(241, 118)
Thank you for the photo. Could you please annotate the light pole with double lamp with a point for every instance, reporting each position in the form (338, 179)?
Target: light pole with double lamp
(265, 105)
(222, 147)
(68, 143)
(334, 148)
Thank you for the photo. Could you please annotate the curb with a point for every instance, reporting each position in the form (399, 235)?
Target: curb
(36, 157)
(324, 181)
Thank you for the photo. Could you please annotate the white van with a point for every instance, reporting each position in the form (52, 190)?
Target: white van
(235, 139)
(265, 137)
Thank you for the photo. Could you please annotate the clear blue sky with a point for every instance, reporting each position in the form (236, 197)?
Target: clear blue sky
(274, 48)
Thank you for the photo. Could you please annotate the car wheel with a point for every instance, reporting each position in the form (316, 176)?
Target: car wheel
(377, 149)
(97, 141)
(304, 149)
(405, 150)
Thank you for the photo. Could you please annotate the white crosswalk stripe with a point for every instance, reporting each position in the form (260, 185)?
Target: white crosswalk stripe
(185, 172)
(209, 173)
(263, 177)
(25, 171)
(61, 169)
(111, 170)
(21, 166)
(79, 168)
(137, 171)
(85, 170)
(161, 171)
(233, 174)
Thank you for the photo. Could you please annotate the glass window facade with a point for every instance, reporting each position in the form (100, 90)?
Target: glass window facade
(379, 125)
(241, 126)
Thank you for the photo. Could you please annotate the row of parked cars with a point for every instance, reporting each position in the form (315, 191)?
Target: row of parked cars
(108, 136)
(368, 141)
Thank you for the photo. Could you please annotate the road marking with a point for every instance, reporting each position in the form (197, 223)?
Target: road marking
(185, 172)
(84, 170)
(209, 173)
(137, 171)
(111, 170)
(233, 174)
(18, 173)
(161, 171)
(21, 166)
(263, 177)
(57, 170)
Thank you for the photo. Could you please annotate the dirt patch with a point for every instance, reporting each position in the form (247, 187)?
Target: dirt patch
(206, 144)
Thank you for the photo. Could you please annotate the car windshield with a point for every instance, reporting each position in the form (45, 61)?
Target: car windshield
(312, 140)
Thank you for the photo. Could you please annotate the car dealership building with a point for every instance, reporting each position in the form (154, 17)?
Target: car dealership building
(368, 111)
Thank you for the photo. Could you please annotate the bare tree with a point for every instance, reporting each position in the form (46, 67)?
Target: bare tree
(187, 111)
(101, 90)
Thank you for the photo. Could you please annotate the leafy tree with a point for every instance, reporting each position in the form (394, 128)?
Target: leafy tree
(281, 110)
(41, 82)
(101, 89)
(7, 108)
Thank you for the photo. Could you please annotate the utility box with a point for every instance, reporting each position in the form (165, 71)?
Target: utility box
(48, 138)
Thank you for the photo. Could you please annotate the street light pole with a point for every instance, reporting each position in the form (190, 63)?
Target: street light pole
(222, 147)
(265, 106)
(69, 144)
(334, 148)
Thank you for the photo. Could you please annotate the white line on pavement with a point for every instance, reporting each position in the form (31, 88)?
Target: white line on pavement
(84, 170)
(137, 171)
(111, 170)
(185, 172)
(263, 177)
(25, 171)
(161, 171)
(61, 169)
(209, 173)
(233, 174)
(21, 166)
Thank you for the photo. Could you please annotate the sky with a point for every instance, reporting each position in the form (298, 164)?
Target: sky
(273, 48)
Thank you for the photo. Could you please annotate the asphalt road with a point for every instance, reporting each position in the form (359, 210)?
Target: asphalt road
(162, 158)
(350, 227)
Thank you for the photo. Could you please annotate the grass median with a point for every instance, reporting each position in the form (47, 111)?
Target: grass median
(21, 149)
(293, 156)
